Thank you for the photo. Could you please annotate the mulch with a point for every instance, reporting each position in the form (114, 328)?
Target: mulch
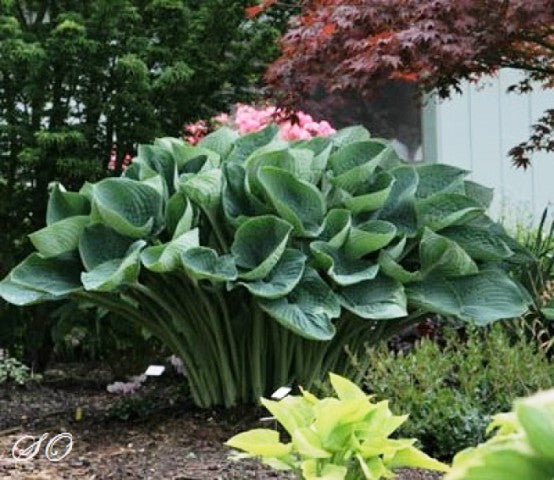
(173, 442)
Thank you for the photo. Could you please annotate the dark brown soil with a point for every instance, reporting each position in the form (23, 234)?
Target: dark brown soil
(174, 441)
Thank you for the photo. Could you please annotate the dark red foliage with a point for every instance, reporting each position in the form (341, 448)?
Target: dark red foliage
(359, 45)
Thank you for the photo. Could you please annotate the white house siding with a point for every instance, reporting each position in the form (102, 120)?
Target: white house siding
(476, 129)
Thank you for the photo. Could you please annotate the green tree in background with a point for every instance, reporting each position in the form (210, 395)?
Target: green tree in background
(77, 74)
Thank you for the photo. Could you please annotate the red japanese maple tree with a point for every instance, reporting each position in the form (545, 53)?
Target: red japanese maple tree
(359, 45)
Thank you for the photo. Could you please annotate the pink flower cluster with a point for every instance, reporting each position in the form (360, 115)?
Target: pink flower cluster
(112, 165)
(297, 126)
(247, 118)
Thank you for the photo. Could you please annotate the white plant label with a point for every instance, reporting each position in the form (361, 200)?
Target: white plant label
(154, 370)
(58, 447)
(281, 393)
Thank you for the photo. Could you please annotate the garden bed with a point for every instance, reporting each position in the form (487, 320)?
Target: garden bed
(174, 441)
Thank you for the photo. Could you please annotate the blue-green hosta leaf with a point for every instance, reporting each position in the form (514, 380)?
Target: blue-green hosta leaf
(38, 279)
(297, 201)
(308, 309)
(179, 215)
(548, 310)
(446, 209)
(63, 204)
(343, 269)
(479, 243)
(86, 191)
(438, 177)
(399, 208)
(236, 204)
(355, 163)
(483, 195)
(336, 227)
(369, 237)
(167, 257)
(115, 273)
(259, 244)
(220, 141)
(60, 237)
(204, 188)
(281, 158)
(443, 256)
(99, 243)
(480, 298)
(203, 263)
(321, 148)
(378, 299)
(374, 196)
(248, 144)
(348, 135)
(129, 207)
(161, 161)
(189, 158)
(282, 279)
(390, 267)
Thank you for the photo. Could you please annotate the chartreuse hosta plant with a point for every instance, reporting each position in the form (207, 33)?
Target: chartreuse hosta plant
(334, 438)
(522, 449)
(256, 260)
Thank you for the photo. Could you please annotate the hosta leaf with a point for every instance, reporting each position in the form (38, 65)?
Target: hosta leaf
(330, 471)
(292, 412)
(480, 298)
(297, 201)
(204, 264)
(379, 299)
(548, 310)
(369, 237)
(399, 208)
(390, 267)
(60, 237)
(321, 148)
(355, 163)
(446, 209)
(161, 161)
(308, 309)
(63, 204)
(536, 416)
(129, 207)
(282, 278)
(343, 269)
(374, 196)
(443, 256)
(336, 227)
(189, 158)
(348, 135)
(439, 177)
(259, 244)
(179, 215)
(247, 144)
(112, 274)
(53, 278)
(166, 258)
(204, 188)
(99, 243)
(220, 141)
(411, 457)
(308, 444)
(482, 194)
(260, 442)
(479, 243)
(235, 202)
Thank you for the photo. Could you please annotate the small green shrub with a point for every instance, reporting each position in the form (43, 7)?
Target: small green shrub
(335, 438)
(522, 449)
(12, 370)
(452, 390)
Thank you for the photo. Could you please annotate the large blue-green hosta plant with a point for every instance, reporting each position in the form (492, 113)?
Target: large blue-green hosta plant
(257, 260)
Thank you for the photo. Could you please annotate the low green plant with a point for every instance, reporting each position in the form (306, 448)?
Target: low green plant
(452, 387)
(256, 260)
(12, 370)
(334, 438)
(522, 449)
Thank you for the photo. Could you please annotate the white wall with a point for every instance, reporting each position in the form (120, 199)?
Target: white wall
(475, 131)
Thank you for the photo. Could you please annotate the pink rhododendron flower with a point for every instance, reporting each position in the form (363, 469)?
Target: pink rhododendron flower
(296, 125)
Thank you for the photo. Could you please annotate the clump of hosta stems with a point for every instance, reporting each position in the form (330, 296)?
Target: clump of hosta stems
(256, 260)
